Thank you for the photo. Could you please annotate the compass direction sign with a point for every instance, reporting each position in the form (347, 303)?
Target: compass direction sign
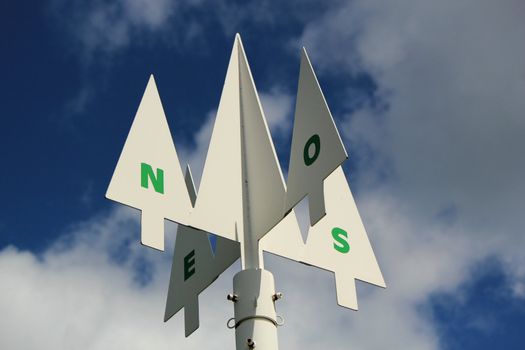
(243, 199)
(148, 174)
(195, 267)
(317, 149)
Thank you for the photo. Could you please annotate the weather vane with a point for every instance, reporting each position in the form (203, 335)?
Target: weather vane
(244, 201)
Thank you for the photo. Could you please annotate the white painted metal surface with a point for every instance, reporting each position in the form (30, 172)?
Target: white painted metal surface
(284, 239)
(337, 243)
(264, 183)
(195, 267)
(242, 184)
(218, 207)
(317, 149)
(148, 174)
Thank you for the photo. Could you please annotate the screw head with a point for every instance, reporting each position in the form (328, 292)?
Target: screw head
(232, 297)
(251, 343)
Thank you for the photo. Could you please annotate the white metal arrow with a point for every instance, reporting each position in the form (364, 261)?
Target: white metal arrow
(242, 183)
(195, 267)
(148, 174)
(317, 149)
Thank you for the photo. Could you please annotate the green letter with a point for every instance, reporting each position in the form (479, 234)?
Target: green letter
(157, 180)
(339, 235)
(189, 265)
(313, 140)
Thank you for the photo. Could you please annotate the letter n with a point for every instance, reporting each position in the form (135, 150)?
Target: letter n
(157, 180)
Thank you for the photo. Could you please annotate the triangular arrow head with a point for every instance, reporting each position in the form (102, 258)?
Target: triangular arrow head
(194, 268)
(339, 243)
(148, 174)
(264, 183)
(219, 205)
(242, 184)
(317, 149)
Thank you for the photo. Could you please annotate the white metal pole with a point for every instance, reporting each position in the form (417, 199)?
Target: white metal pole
(255, 316)
(253, 287)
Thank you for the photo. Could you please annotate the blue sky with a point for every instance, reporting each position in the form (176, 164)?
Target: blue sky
(429, 100)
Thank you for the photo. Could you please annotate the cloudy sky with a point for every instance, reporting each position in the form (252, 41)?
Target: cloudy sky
(429, 97)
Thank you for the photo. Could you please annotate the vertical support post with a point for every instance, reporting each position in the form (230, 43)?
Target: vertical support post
(255, 316)
(254, 287)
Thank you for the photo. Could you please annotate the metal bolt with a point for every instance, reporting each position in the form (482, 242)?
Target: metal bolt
(277, 296)
(251, 343)
(232, 297)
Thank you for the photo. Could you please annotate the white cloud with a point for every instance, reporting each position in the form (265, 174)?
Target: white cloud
(452, 78)
(101, 27)
(277, 107)
(449, 136)
(83, 293)
(519, 289)
(196, 156)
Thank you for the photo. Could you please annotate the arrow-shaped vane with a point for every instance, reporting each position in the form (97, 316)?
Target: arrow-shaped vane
(317, 149)
(242, 184)
(148, 174)
(195, 267)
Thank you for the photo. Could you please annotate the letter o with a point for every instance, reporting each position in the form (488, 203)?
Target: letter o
(316, 142)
